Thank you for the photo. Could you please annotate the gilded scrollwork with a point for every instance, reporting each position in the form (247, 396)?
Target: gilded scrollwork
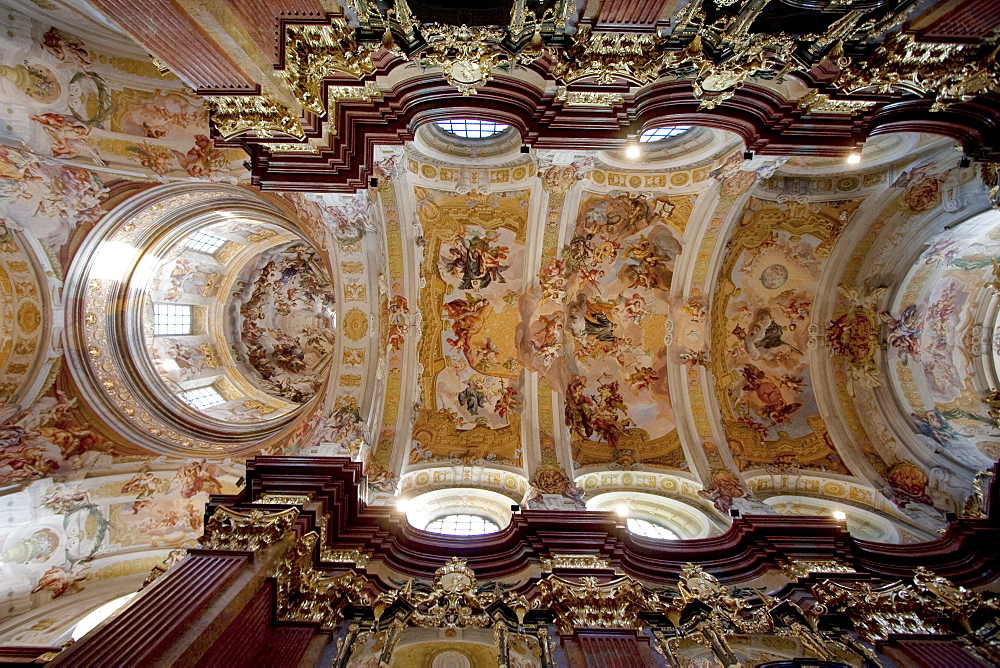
(931, 605)
(989, 172)
(283, 499)
(467, 54)
(590, 561)
(305, 594)
(815, 102)
(454, 599)
(951, 72)
(237, 114)
(314, 52)
(606, 56)
(992, 398)
(591, 603)
(229, 529)
(574, 98)
(973, 508)
(801, 568)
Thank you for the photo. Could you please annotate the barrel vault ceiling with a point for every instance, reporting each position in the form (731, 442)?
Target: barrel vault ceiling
(742, 317)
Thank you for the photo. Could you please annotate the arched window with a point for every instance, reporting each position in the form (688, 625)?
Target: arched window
(642, 527)
(653, 516)
(471, 128)
(663, 132)
(462, 525)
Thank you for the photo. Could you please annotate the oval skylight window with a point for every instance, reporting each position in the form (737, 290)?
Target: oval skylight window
(471, 128)
(462, 525)
(649, 529)
(664, 132)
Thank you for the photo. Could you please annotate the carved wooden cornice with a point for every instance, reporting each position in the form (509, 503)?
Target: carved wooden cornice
(707, 64)
(766, 123)
(752, 546)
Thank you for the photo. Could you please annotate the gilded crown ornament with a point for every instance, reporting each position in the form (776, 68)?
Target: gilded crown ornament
(453, 600)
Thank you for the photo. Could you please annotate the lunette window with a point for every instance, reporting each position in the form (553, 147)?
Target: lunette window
(471, 128)
(462, 525)
(649, 529)
(664, 132)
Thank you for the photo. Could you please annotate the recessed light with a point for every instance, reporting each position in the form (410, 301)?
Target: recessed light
(839, 515)
(622, 510)
(633, 152)
(854, 158)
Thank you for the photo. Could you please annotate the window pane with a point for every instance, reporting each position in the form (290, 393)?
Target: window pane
(656, 134)
(471, 128)
(205, 242)
(171, 319)
(462, 525)
(203, 397)
(650, 529)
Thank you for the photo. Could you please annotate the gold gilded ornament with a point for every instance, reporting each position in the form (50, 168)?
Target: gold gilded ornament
(305, 594)
(453, 601)
(314, 52)
(232, 530)
(951, 72)
(237, 114)
(591, 603)
(466, 54)
(607, 56)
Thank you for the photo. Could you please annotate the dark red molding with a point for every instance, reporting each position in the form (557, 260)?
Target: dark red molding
(965, 554)
(766, 122)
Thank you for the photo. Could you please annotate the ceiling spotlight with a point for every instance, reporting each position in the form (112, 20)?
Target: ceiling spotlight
(401, 504)
(839, 515)
(632, 152)
(854, 158)
(622, 510)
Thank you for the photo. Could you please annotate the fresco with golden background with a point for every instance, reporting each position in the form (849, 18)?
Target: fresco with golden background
(473, 269)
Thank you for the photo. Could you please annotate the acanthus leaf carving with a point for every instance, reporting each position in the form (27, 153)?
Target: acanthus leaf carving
(305, 594)
(238, 114)
(229, 529)
(314, 52)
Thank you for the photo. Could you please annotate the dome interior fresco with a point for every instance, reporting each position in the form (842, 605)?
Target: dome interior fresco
(255, 362)
(284, 320)
(719, 327)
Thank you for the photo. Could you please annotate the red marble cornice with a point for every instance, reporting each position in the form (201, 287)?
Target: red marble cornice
(754, 544)
(765, 121)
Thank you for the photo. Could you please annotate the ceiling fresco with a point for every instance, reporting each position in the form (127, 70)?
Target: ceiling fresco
(762, 332)
(474, 275)
(595, 327)
(938, 333)
(697, 324)
(284, 319)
